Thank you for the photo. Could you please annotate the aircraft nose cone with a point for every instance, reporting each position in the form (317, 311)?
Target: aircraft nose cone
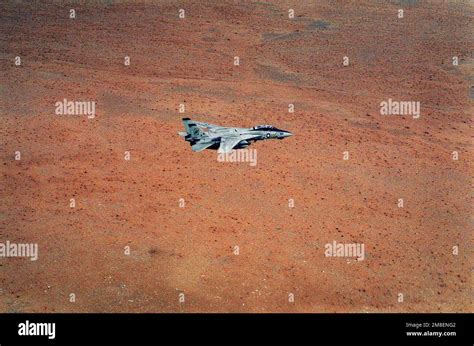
(288, 134)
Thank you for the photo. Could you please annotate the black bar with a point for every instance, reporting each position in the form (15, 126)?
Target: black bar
(314, 329)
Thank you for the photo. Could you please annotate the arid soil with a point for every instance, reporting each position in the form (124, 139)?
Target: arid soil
(191, 250)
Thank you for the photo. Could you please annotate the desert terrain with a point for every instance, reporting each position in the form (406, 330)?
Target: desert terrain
(189, 251)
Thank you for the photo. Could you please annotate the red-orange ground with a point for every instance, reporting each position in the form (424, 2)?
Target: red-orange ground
(190, 250)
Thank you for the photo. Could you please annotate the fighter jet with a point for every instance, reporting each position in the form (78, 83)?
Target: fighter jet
(207, 136)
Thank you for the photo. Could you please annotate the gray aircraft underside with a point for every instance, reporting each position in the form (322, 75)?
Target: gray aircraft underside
(207, 136)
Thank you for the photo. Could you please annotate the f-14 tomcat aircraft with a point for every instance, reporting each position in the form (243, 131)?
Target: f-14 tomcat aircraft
(207, 136)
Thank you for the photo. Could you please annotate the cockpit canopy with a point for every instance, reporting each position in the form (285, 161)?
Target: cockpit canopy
(265, 127)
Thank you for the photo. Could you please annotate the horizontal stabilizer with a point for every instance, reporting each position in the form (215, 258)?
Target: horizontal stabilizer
(200, 146)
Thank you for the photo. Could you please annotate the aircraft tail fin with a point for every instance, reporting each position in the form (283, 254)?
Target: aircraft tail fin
(192, 129)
